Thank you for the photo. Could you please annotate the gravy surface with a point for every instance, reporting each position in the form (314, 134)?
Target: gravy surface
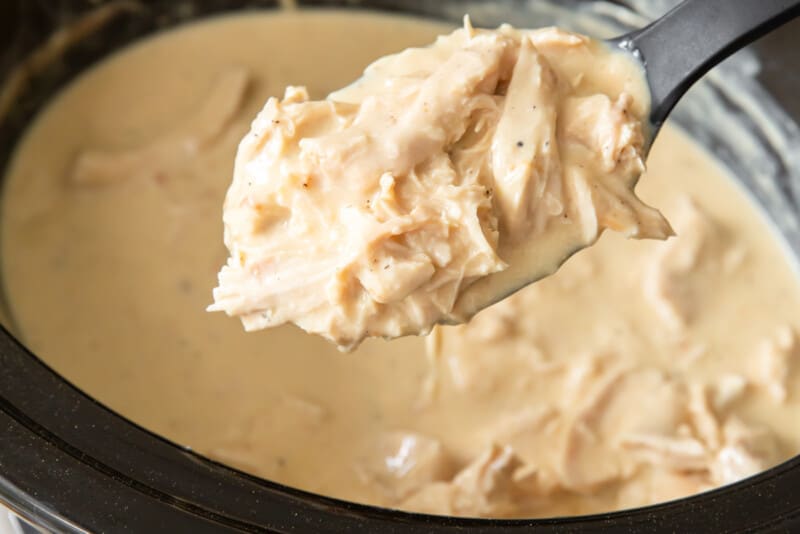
(641, 371)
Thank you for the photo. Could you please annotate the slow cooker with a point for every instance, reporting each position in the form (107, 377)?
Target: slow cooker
(69, 464)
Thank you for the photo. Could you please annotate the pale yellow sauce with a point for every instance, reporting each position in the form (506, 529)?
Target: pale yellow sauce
(108, 283)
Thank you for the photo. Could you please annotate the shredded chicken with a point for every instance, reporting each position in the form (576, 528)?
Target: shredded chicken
(726, 390)
(702, 416)
(402, 463)
(487, 487)
(637, 430)
(773, 362)
(747, 450)
(669, 284)
(622, 408)
(375, 212)
(97, 167)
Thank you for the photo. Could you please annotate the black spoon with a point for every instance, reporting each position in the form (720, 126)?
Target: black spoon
(678, 48)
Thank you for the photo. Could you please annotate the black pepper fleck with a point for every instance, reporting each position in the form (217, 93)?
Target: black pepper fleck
(520, 143)
(185, 285)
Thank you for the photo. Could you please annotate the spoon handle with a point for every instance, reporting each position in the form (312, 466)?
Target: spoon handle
(684, 44)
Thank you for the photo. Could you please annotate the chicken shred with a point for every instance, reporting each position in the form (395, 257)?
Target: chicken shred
(412, 197)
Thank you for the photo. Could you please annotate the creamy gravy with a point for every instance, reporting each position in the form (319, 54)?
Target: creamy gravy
(108, 281)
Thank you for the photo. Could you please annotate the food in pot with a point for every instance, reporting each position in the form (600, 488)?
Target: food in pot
(641, 371)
